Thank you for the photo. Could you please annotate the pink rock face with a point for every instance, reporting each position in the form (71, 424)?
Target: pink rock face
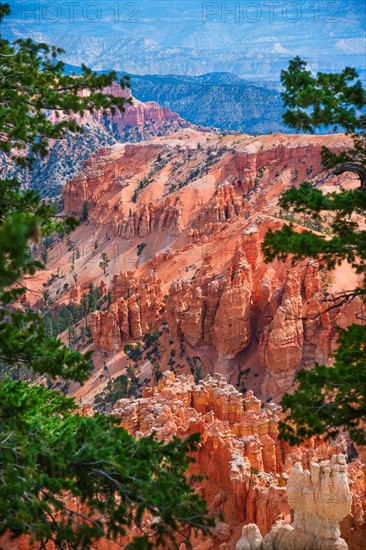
(139, 114)
(75, 293)
(247, 467)
(134, 313)
(284, 334)
(226, 204)
(150, 217)
(231, 330)
(103, 174)
(103, 288)
(217, 313)
(112, 327)
(233, 309)
(220, 414)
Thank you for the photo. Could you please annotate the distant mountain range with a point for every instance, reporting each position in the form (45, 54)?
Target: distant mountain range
(162, 105)
(253, 40)
(218, 100)
(214, 63)
(140, 121)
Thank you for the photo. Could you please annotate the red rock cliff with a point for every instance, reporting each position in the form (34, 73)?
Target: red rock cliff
(246, 465)
(200, 207)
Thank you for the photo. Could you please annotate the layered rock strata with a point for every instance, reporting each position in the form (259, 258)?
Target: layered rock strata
(321, 498)
(252, 477)
(195, 210)
(135, 312)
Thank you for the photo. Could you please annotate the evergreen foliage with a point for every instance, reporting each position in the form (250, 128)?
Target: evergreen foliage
(71, 314)
(328, 399)
(85, 214)
(49, 453)
(125, 385)
(103, 264)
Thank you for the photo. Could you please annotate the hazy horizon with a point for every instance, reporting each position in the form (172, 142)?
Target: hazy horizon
(249, 39)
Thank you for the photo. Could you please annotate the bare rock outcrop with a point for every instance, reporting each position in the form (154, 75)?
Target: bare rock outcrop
(231, 330)
(226, 423)
(134, 313)
(247, 467)
(104, 175)
(226, 204)
(218, 312)
(285, 333)
(75, 293)
(213, 200)
(251, 538)
(164, 216)
(321, 498)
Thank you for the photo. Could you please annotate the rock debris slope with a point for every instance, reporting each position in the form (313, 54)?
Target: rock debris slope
(182, 221)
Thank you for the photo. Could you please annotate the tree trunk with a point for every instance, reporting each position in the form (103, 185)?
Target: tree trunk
(358, 169)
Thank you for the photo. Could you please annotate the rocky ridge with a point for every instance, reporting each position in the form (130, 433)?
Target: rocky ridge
(140, 121)
(321, 498)
(252, 476)
(199, 208)
(191, 212)
(128, 318)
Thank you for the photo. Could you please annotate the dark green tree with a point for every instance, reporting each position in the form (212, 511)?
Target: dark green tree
(125, 385)
(48, 450)
(328, 399)
(103, 264)
(133, 381)
(85, 214)
(92, 298)
(44, 255)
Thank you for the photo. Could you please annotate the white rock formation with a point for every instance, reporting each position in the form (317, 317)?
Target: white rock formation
(251, 538)
(321, 499)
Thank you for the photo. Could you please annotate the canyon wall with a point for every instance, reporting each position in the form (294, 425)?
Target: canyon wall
(199, 207)
(128, 317)
(249, 475)
(248, 468)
